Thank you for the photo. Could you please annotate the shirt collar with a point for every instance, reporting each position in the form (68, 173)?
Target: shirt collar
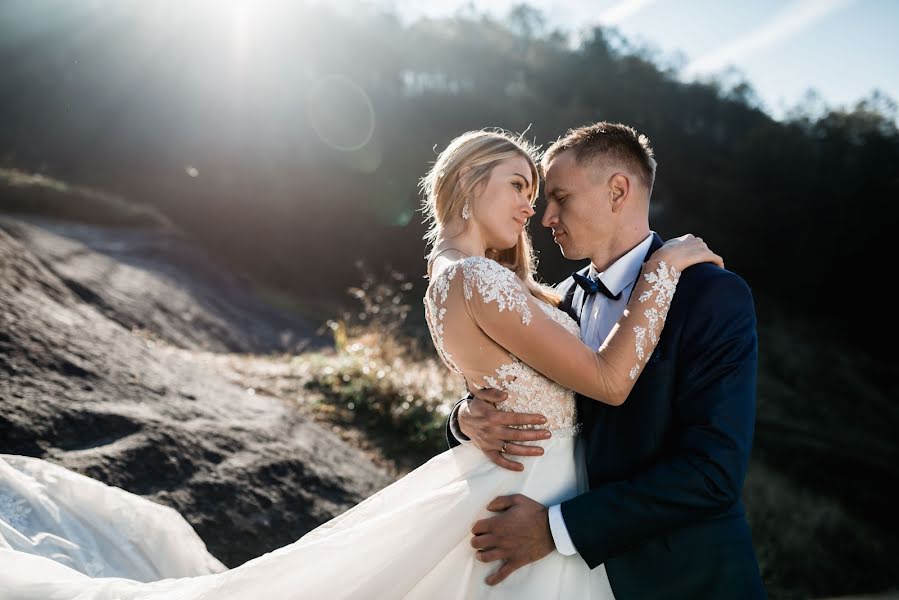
(625, 270)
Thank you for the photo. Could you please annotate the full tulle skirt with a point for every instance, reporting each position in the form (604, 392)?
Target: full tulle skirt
(410, 540)
(50, 512)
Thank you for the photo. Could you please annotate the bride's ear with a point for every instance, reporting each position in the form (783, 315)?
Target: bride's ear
(464, 183)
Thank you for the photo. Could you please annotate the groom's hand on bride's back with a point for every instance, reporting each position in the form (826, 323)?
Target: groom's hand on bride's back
(495, 432)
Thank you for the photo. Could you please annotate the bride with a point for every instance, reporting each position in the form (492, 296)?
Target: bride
(65, 536)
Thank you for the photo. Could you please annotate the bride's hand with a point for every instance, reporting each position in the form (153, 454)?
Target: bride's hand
(686, 251)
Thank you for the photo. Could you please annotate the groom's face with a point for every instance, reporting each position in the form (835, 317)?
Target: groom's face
(576, 211)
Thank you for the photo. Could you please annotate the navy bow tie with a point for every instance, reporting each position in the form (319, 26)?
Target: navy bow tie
(591, 286)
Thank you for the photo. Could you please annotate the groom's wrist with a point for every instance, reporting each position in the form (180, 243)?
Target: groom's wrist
(559, 531)
(455, 427)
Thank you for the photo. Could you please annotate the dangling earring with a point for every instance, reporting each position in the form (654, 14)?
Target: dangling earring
(466, 210)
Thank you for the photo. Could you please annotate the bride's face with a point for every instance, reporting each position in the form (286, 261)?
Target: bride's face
(503, 208)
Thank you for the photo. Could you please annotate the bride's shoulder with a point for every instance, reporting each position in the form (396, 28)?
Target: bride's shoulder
(478, 272)
(481, 276)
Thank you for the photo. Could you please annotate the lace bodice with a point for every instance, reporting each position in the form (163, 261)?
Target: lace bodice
(528, 390)
(490, 329)
(531, 392)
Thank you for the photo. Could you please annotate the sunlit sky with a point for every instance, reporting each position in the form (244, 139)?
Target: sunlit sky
(843, 49)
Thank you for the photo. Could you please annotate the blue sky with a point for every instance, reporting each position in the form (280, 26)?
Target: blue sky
(843, 49)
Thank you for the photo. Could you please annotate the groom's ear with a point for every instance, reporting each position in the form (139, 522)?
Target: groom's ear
(619, 188)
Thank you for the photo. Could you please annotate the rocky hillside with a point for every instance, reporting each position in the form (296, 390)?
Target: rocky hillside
(82, 385)
(155, 280)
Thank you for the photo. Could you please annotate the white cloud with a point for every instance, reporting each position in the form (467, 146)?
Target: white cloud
(791, 20)
(622, 11)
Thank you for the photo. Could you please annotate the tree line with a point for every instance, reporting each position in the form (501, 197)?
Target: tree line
(295, 150)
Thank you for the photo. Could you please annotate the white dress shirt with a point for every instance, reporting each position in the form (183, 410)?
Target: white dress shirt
(599, 316)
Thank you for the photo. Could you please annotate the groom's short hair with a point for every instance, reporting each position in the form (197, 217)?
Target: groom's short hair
(615, 141)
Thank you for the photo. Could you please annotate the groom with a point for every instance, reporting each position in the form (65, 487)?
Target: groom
(666, 469)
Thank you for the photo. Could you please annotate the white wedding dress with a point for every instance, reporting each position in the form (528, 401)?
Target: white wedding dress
(67, 537)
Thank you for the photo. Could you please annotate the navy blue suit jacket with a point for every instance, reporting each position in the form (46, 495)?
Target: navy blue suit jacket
(666, 469)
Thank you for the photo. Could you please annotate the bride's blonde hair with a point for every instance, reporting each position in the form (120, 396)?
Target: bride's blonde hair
(465, 166)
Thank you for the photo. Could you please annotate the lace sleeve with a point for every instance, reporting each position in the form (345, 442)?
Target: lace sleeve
(495, 284)
(501, 306)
